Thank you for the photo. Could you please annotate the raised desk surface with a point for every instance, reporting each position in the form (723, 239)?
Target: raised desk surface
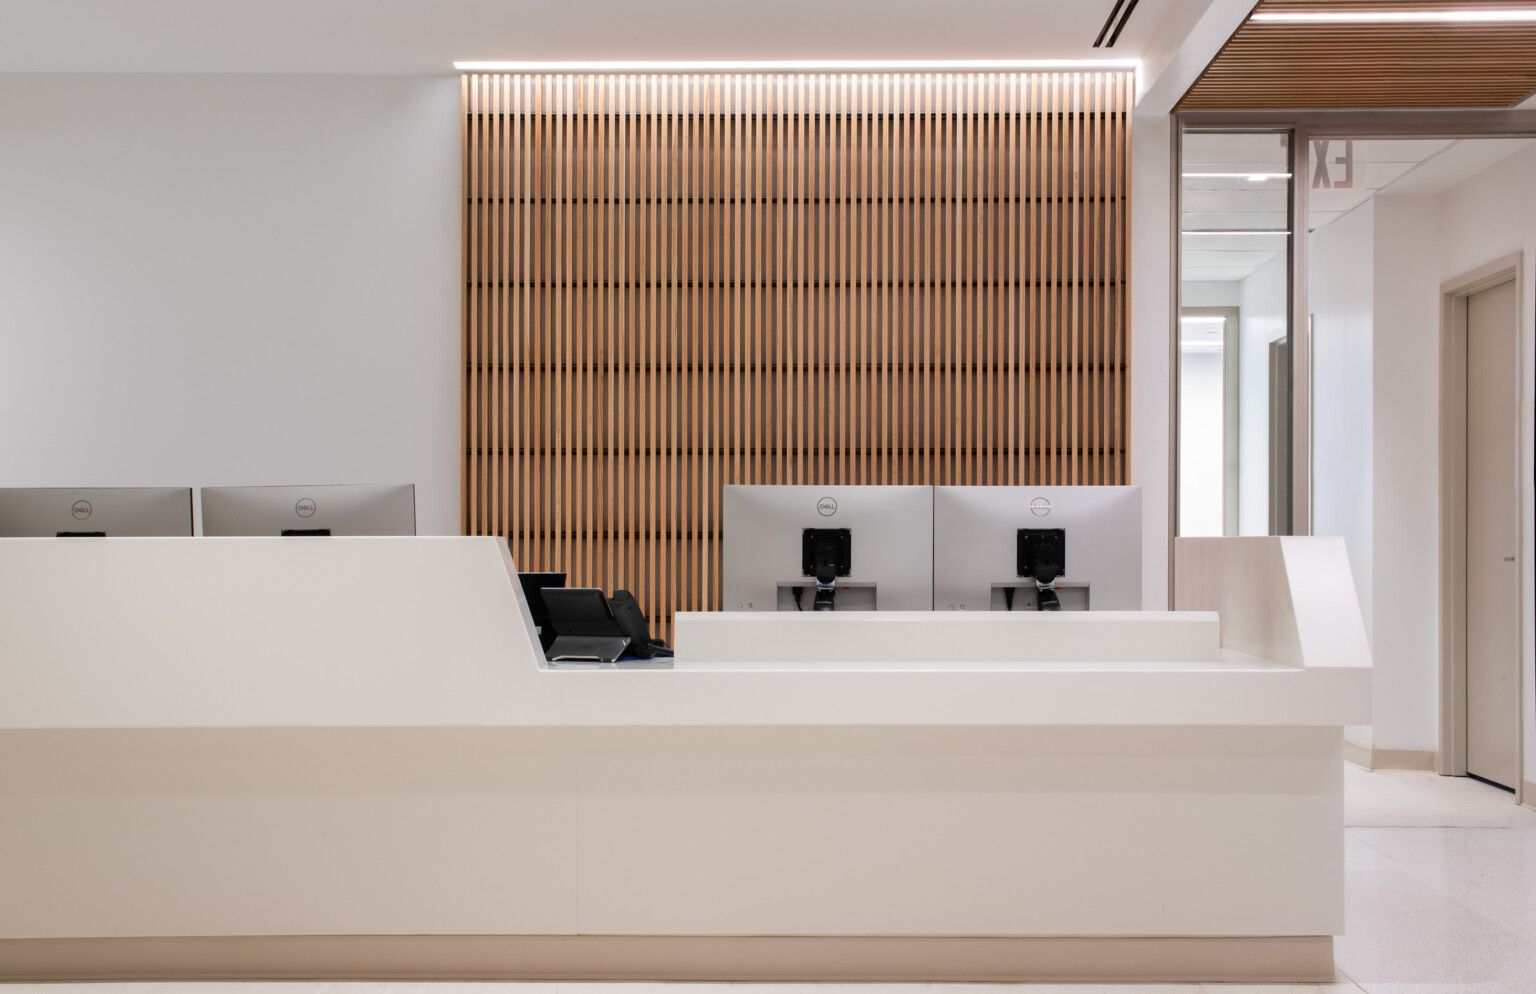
(346, 632)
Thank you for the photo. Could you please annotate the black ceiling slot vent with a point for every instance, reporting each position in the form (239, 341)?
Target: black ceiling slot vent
(1109, 23)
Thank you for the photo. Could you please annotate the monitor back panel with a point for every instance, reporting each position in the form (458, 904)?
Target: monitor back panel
(352, 509)
(975, 542)
(119, 512)
(581, 612)
(892, 546)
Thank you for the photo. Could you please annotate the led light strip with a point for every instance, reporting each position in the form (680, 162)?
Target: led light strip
(1234, 232)
(1251, 177)
(1399, 17)
(801, 65)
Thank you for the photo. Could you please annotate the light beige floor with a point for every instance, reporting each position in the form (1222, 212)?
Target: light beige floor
(1440, 886)
(1405, 799)
(1440, 899)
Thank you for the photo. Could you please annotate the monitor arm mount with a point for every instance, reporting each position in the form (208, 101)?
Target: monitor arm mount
(826, 554)
(826, 593)
(1043, 555)
(1045, 595)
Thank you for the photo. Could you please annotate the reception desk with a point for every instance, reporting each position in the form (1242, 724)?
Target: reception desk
(347, 758)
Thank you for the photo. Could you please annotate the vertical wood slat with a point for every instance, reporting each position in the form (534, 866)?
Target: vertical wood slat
(673, 283)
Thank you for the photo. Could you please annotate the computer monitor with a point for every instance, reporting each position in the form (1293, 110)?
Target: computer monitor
(871, 545)
(1009, 548)
(354, 509)
(111, 512)
(1016, 547)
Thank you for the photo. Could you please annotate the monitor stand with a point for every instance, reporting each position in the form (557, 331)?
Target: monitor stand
(1073, 596)
(586, 648)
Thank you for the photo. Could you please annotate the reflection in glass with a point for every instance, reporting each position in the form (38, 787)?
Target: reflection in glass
(1234, 366)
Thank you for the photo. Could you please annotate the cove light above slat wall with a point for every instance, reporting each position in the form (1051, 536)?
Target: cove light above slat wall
(674, 282)
(801, 65)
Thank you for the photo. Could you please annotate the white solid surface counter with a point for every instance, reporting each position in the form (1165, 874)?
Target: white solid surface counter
(265, 757)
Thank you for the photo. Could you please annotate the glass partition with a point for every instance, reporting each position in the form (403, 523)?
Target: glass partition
(1234, 365)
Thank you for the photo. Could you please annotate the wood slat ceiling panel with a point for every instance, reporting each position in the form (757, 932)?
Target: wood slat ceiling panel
(1283, 66)
(674, 283)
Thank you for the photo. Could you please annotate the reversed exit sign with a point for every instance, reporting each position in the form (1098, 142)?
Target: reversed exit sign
(1336, 173)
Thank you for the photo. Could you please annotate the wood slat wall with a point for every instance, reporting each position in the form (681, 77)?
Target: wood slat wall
(676, 282)
(1284, 66)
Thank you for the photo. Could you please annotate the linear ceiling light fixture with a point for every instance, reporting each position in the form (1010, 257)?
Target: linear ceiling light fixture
(802, 65)
(1445, 16)
(1250, 177)
(1208, 232)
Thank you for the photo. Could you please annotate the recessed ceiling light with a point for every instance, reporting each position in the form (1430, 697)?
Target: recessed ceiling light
(1443, 16)
(1234, 232)
(801, 65)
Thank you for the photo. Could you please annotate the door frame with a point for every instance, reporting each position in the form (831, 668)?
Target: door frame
(1454, 293)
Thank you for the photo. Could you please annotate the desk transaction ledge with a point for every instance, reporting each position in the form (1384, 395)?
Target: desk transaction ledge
(389, 632)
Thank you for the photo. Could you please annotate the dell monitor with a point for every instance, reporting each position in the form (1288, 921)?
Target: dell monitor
(835, 548)
(95, 512)
(1037, 548)
(309, 511)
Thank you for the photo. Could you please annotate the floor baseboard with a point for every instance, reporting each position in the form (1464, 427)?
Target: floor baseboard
(1271, 959)
(1358, 754)
(1423, 760)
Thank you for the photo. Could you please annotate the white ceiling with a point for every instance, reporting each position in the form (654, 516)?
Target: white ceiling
(1378, 165)
(1219, 195)
(427, 36)
(1399, 167)
(1455, 164)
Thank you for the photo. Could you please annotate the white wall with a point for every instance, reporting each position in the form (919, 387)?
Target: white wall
(1202, 401)
(1339, 299)
(231, 280)
(1263, 302)
(1405, 474)
(1211, 293)
(1388, 356)
(1490, 216)
(1150, 307)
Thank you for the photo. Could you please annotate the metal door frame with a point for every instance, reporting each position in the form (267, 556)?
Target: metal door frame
(1454, 294)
